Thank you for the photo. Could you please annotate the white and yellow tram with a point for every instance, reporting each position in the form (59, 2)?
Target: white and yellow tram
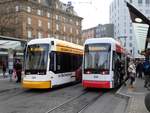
(50, 62)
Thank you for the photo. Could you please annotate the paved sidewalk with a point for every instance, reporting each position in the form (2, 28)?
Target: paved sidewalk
(6, 84)
(136, 96)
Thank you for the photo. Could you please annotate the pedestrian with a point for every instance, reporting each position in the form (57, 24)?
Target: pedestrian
(146, 69)
(18, 69)
(139, 69)
(132, 72)
(4, 69)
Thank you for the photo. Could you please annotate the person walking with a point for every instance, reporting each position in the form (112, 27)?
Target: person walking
(18, 69)
(132, 72)
(139, 69)
(4, 70)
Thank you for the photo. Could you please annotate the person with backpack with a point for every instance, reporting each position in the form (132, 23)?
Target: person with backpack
(132, 72)
(146, 69)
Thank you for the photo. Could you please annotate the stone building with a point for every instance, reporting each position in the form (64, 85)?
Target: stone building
(29, 19)
(106, 30)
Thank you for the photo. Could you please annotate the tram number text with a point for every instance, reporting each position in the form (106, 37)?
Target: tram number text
(65, 75)
(33, 77)
(95, 76)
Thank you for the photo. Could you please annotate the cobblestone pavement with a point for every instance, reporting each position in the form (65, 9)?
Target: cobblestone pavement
(137, 95)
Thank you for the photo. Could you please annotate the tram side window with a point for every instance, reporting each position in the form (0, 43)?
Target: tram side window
(65, 62)
(58, 63)
(52, 64)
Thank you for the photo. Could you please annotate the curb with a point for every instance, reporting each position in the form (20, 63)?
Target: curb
(128, 99)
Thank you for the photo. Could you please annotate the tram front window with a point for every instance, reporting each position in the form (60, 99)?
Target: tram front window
(97, 59)
(36, 59)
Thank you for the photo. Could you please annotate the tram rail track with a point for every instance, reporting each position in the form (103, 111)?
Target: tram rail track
(72, 103)
(15, 92)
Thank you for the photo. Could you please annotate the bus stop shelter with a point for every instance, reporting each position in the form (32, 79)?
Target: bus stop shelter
(10, 49)
(141, 25)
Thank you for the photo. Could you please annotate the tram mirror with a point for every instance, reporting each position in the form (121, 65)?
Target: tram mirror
(86, 48)
(52, 42)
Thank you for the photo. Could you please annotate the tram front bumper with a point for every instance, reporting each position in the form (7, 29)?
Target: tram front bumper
(96, 84)
(36, 84)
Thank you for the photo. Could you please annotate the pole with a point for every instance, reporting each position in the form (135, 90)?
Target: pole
(10, 63)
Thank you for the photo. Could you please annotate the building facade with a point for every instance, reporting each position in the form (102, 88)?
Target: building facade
(88, 33)
(123, 28)
(106, 30)
(29, 19)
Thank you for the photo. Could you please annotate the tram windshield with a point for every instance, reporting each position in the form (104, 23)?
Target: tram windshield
(97, 59)
(36, 59)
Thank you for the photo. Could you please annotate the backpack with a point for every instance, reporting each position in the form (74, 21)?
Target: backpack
(146, 67)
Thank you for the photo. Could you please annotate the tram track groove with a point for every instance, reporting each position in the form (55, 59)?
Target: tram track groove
(86, 106)
(76, 99)
(65, 103)
(11, 94)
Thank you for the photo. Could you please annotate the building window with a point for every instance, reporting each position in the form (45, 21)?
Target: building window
(17, 8)
(29, 34)
(39, 35)
(49, 36)
(130, 1)
(48, 25)
(56, 17)
(64, 28)
(57, 27)
(70, 20)
(147, 11)
(39, 1)
(139, 1)
(56, 6)
(16, 20)
(77, 41)
(39, 12)
(130, 24)
(64, 38)
(71, 30)
(130, 44)
(28, 9)
(48, 15)
(64, 19)
(77, 31)
(147, 2)
(77, 23)
(130, 30)
(29, 20)
(130, 37)
(40, 23)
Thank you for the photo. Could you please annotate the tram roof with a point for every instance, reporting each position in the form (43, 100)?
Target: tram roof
(56, 42)
(102, 40)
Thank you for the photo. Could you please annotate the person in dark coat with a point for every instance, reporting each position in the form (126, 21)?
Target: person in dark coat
(18, 69)
(146, 69)
(4, 70)
(139, 69)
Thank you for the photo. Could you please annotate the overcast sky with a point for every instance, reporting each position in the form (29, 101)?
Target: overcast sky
(94, 12)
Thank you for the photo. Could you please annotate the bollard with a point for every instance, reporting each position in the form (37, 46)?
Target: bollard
(10, 75)
(147, 101)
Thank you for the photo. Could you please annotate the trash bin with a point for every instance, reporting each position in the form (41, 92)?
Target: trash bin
(147, 101)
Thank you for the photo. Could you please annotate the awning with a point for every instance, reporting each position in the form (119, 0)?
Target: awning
(141, 25)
